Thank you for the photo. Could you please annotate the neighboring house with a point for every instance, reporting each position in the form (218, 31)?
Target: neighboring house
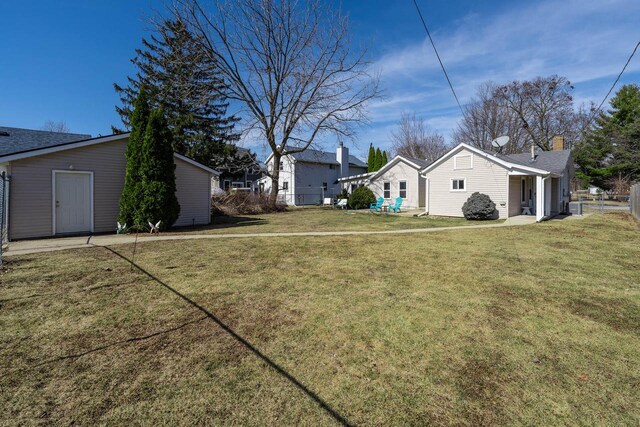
(246, 176)
(536, 182)
(62, 185)
(400, 177)
(306, 178)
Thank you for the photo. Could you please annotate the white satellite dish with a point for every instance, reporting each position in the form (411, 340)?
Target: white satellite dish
(500, 142)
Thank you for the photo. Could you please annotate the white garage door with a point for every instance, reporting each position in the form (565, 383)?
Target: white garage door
(72, 202)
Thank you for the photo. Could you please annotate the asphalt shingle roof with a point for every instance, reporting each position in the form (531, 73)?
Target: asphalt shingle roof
(325, 157)
(17, 140)
(552, 161)
(420, 162)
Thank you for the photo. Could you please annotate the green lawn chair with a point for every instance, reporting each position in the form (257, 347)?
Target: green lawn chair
(396, 208)
(377, 206)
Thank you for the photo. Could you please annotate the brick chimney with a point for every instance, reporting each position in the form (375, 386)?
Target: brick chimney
(342, 157)
(558, 143)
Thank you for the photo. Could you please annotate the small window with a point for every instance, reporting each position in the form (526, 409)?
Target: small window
(332, 166)
(281, 166)
(249, 184)
(458, 185)
(324, 186)
(285, 185)
(403, 189)
(387, 190)
(226, 184)
(237, 185)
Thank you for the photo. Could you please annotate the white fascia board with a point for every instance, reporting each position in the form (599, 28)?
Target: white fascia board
(196, 164)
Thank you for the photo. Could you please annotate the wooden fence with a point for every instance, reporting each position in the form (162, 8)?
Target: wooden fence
(634, 200)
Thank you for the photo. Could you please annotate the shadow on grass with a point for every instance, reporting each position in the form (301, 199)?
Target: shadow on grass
(312, 395)
(222, 222)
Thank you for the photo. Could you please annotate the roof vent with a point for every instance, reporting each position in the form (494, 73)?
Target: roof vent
(3, 133)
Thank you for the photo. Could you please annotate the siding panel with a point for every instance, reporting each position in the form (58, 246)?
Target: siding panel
(193, 190)
(486, 177)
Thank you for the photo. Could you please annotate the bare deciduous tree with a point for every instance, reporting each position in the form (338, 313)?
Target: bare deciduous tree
(413, 138)
(52, 126)
(486, 118)
(529, 112)
(289, 63)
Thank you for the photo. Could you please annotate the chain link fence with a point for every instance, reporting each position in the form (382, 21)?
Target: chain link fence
(4, 206)
(634, 201)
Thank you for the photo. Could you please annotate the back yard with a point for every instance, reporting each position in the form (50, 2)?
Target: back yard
(535, 325)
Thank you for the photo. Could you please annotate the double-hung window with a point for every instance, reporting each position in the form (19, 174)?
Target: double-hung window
(285, 185)
(387, 190)
(458, 184)
(403, 189)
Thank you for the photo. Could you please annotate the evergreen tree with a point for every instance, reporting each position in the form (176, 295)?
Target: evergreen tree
(189, 89)
(611, 151)
(378, 160)
(384, 158)
(158, 201)
(371, 160)
(131, 190)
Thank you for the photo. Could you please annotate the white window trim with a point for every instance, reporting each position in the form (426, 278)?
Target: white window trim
(400, 189)
(384, 191)
(458, 191)
(53, 195)
(455, 161)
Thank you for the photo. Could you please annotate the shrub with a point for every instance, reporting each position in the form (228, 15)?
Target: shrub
(243, 203)
(479, 206)
(361, 198)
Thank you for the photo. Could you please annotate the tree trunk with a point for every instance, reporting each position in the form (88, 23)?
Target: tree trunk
(275, 179)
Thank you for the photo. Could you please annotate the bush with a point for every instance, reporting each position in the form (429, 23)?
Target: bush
(479, 206)
(361, 198)
(243, 203)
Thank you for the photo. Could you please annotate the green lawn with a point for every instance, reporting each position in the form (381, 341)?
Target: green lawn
(534, 325)
(324, 219)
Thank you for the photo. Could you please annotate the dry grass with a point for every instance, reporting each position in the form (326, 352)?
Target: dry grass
(324, 219)
(535, 325)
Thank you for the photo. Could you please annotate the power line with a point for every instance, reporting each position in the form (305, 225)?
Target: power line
(424, 24)
(613, 85)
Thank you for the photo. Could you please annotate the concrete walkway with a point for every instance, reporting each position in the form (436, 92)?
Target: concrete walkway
(57, 244)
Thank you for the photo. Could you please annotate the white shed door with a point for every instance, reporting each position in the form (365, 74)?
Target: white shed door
(72, 202)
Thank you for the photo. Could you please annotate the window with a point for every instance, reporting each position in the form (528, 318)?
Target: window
(458, 184)
(236, 185)
(387, 190)
(281, 166)
(324, 186)
(249, 184)
(226, 184)
(332, 166)
(285, 185)
(403, 189)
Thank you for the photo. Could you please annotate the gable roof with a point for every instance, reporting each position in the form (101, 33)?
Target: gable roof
(553, 161)
(18, 140)
(503, 161)
(417, 164)
(53, 147)
(325, 157)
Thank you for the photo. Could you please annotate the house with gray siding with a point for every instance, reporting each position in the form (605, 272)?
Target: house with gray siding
(63, 184)
(309, 176)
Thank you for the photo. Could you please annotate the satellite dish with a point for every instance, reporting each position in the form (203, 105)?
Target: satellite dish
(500, 141)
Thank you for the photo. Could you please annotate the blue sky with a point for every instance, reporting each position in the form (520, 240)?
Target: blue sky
(58, 60)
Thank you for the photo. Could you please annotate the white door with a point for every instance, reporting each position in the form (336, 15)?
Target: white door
(72, 201)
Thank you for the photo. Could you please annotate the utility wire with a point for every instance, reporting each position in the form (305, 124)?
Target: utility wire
(424, 24)
(613, 85)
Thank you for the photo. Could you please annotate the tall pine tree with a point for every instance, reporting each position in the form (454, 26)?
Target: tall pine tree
(131, 192)
(371, 160)
(188, 87)
(158, 201)
(378, 159)
(384, 158)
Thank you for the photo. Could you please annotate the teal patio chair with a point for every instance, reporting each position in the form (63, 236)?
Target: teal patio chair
(377, 206)
(396, 208)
